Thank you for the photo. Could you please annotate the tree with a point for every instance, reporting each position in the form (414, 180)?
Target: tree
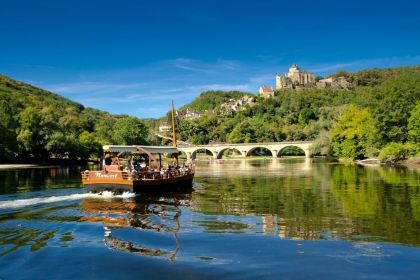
(104, 128)
(305, 115)
(414, 125)
(354, 134)
(89, 145)
(8, 144)
(130, 131)
(29, 133)
(394, 152)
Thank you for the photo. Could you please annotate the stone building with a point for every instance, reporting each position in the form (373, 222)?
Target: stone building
(189, 114)
(236, 105)
(295, 78)
(334, 82)
(164, 127)
(266, 91)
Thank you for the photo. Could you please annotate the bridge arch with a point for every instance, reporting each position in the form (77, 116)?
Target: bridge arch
(182, 154)
(194, 153)
(297, 148)
(262, 148)
(221, 153)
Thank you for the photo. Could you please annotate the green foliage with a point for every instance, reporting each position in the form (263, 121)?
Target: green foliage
(322, 144)
(130, 131)
(8, 142)
(398, 151)
(30, 130)
(414, 125)
(89, 145)
(353, 134)
(38, 124)
(292, 151)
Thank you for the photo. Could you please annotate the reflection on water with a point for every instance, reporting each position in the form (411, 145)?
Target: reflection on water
(158, 212)
(237, 209)
(265, 167)
(13, 239)
(309, 199)
(33, 179)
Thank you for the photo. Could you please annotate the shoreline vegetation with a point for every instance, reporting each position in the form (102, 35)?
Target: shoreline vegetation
(377, 118)
(413, 162)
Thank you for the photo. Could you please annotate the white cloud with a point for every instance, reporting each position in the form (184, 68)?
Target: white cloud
(203, 67)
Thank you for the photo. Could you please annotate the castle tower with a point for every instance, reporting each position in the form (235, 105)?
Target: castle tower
(295, 78)
(279, 84)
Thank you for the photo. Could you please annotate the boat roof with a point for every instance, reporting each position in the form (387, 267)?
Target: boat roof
(151, 149)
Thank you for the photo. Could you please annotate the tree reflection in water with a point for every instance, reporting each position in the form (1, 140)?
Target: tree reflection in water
(157, 212)
(313, 200)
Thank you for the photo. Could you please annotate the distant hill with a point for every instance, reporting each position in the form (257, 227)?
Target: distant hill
(38, 124)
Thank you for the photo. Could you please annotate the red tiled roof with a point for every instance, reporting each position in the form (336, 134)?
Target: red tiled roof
(266, 89)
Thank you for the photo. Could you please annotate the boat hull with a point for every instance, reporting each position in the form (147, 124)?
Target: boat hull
(138, 186)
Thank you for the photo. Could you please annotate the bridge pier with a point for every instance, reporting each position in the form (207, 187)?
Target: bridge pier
(274, 153)
(215, 154)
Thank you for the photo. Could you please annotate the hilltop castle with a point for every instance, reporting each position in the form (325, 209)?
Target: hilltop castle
(295, 78)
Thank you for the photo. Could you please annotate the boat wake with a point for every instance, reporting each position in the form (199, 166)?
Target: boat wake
(19, 203)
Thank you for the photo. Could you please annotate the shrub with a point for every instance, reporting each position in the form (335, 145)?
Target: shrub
(397, 151)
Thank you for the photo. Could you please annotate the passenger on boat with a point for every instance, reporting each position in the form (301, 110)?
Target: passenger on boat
(108, 159)
(135, 166)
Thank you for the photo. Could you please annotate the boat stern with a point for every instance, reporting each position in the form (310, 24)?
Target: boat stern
(97, 181)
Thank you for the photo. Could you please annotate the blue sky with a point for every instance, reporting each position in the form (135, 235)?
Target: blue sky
(132, 57)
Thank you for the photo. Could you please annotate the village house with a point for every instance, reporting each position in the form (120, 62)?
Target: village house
(164, 127)
(189, 114)
(236, 105)
(266, 91)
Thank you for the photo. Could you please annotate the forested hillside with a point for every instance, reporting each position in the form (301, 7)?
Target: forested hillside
(38, 124)
(355, 123)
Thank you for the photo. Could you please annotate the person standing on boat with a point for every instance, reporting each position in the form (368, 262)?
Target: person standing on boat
(108, 159)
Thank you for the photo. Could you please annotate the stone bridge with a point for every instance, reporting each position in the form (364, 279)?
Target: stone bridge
(245, 150)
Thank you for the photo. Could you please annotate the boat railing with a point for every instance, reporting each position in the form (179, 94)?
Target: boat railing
(85, 175)
(127, 175)
(150, 174)
(162, 174)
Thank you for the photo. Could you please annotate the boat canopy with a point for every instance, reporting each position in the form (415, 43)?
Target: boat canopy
(150, 149)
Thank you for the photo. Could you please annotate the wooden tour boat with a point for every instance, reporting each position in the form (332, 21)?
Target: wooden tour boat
(139, 168)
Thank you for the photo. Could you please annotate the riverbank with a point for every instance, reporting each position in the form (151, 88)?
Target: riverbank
(410, 162)
(47, 163)
(19, 166)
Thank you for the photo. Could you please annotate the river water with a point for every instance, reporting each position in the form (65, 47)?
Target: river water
(244, 219)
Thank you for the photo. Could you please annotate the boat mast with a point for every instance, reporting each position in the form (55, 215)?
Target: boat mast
(173, 125)
(174, 131)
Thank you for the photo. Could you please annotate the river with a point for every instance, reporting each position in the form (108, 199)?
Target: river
(244, 219)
